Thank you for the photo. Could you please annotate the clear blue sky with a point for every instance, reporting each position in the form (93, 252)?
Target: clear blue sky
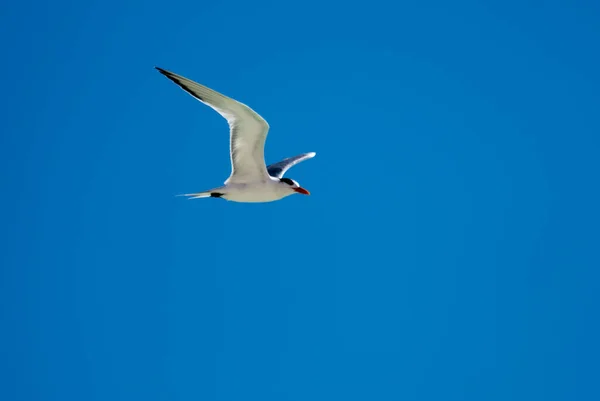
(449, 249)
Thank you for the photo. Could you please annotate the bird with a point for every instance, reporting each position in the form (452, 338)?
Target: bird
(251, 180)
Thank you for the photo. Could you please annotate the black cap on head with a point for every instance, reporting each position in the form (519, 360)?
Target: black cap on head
(288, 181)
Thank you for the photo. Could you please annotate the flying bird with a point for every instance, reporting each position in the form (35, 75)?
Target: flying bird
(250, 180)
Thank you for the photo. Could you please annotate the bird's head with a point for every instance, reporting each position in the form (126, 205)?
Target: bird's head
(294, 186)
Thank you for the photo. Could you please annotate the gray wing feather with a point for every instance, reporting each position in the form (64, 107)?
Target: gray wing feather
(248, 130)
(279, 169)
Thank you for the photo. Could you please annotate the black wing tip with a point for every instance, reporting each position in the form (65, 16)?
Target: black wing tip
(175, 79)
(162, 71)
(167, 74)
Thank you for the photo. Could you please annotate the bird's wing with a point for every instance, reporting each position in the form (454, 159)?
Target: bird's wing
(248, 130)
(279, 169)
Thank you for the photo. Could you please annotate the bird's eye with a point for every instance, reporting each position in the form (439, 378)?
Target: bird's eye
(287, 181)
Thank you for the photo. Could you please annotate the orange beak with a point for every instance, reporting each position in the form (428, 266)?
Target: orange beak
(302, 191)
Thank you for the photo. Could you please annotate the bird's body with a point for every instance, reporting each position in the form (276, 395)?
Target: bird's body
(251, 192)
(250, 180)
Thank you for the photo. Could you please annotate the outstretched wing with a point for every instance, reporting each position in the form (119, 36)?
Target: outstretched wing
(279, 169)
(248, 130)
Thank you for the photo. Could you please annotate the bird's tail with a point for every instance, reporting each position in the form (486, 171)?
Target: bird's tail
(213, 193)
(197, 195)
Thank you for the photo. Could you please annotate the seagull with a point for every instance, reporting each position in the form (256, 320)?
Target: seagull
(250, 180)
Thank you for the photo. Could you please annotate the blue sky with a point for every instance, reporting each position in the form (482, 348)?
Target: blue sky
(449, 249)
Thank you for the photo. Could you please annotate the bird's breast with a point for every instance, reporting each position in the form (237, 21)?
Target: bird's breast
(253, 192)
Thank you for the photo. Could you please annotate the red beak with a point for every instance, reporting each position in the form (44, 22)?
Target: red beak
(302, 191)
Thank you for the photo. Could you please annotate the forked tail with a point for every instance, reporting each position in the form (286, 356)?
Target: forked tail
(214, 193)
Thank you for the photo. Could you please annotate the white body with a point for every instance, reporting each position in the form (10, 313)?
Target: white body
(253, 192)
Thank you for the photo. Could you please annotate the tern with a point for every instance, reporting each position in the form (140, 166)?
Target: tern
(250, 180)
